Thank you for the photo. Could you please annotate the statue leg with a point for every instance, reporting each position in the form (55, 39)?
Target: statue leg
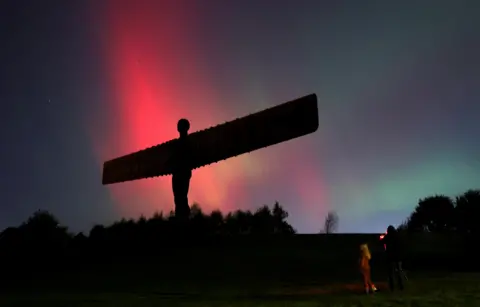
(181, 185)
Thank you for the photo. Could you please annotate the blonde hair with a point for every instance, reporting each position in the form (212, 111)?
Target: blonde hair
(365, 252)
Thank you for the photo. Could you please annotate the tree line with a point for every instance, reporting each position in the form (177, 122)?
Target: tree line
(441, 214)
(44, 230)
(438, 213)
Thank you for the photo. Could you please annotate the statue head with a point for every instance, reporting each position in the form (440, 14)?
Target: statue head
(183, 126)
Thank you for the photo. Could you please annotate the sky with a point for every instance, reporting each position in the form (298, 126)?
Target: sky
(82, 82)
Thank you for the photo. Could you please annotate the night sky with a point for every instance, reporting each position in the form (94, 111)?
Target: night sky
(82, 82)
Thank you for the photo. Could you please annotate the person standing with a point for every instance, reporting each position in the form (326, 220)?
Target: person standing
(365, 257)
(393, 250)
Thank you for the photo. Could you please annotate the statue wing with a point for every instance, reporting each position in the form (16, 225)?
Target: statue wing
(275, 125)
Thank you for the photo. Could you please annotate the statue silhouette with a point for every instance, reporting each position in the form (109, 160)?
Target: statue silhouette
(182, 172)
(180, 156)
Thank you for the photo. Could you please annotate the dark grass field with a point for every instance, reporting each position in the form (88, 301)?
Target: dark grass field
(447, 290)
(301, 271)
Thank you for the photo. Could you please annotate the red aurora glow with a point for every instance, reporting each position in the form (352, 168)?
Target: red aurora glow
(154, 75)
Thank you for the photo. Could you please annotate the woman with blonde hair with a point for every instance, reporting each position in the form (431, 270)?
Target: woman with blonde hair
(365, 257)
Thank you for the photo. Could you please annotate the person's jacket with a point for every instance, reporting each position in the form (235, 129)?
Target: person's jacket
(393, 246)
(365, 257)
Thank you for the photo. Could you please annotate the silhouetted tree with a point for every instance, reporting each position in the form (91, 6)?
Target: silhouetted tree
(467, 209)
(42, 220)
(43, 234)
(403, 227)
(80, 237)
(433, 214)
(262, 221)
(10, 239)
(331, 223)
(79, 243)
(171, 217)
(42, 239)
(156, 226)
(239, 222)
(216, 222)
(280, 223)
(43, 228)
(98, 233)
(122, 230)
(198, 221)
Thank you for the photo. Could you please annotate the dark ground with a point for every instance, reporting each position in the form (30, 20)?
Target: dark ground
(297, 271)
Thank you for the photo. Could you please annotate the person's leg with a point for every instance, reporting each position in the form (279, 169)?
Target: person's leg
(180, 186)
(186, 187)
(398, 275)
(402, 272)
(370, 282)
(391, 272)
(366, 280)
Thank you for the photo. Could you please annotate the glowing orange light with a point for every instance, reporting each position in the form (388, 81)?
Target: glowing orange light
(381, 238)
